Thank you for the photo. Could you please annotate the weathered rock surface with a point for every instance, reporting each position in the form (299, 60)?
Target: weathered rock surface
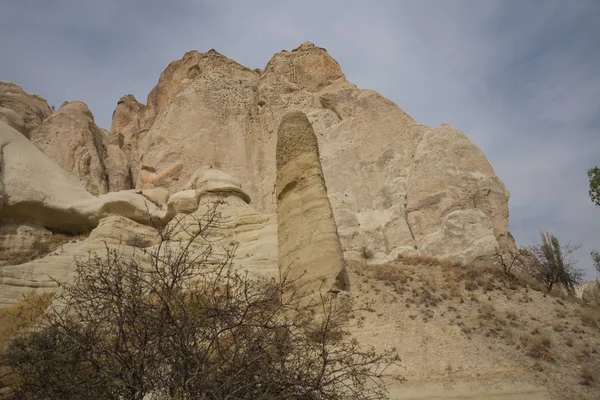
(308, 241)
(390, 180)
(116, 168)
(450, 173)
(72, 140)
(21, 110)
(40, 276)
(38, 191)
(20, 241)
(591, 292)
(237, 225)
(465, 236)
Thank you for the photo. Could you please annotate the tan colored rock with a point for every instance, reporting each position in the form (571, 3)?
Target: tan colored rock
(20, 241)
(21, 110)
(41, 275)
(39, 191)
(117, 169)
(450, 173)
(591, 292)
(252, 234)
(465, 236)
(72, 140)
(208, 110)
(308, 242)
(183, 202)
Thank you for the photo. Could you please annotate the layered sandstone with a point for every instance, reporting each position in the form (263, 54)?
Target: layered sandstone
(308, 243)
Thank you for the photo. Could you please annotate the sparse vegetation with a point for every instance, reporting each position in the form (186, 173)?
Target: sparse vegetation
(41, 247)
(178, 321)
(550, 263)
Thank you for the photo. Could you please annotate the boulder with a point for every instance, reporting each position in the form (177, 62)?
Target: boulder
(236, 226)
(72, 140)
(308, 242)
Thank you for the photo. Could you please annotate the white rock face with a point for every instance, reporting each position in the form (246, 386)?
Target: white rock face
(450, 173)
(72, 140)
(38, 191)
(397, 178)
(465, 236)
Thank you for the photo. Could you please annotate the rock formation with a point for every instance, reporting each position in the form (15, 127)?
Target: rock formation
(37, 190)
(72, 140)
(21, 110)
(309, 246)
(393, 186)
(391, 182)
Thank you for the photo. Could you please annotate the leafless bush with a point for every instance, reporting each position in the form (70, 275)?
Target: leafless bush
(178, 321)
(510, 260)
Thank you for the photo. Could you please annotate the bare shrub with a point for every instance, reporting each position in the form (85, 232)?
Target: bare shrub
(510, 260)
(178, 321)
(550, 263)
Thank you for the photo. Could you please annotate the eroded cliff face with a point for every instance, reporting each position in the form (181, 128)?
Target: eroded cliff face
(391, 181)
(380, 184)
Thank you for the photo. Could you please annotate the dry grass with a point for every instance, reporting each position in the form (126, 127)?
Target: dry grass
(21, 316)
(15, 319)
(590, 316)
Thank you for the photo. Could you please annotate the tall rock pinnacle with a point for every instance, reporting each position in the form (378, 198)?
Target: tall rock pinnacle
(308, 241)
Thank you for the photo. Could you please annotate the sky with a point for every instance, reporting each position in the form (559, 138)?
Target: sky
(521, 78)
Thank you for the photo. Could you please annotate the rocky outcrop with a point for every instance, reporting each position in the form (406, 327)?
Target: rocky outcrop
(41, 275)
(72, 140)
(591, 292)
(390, 181)
(21, 110)
(20, 242)
(236, 224)
(466, 236)
(38, 191)
(308, 243)
(450, 173)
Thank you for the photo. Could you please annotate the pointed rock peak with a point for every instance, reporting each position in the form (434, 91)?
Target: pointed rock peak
(305, 46)
(308, 66)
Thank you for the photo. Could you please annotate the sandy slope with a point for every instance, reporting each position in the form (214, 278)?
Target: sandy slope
(471, 333)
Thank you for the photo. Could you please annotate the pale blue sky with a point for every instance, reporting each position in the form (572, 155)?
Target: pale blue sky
(520, 78)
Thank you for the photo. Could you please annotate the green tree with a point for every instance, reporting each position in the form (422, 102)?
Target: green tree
(550, 263)
(594, 175)
(596, 259)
